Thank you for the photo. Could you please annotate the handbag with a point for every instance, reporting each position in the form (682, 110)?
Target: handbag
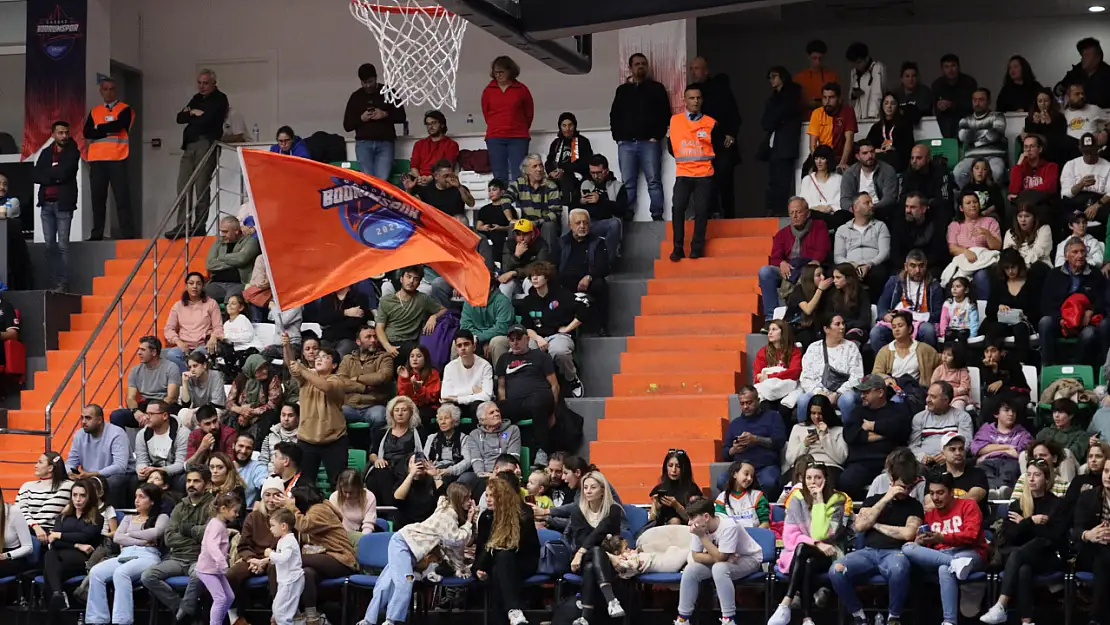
(554, 558)
(831, 379)
(1010, 317)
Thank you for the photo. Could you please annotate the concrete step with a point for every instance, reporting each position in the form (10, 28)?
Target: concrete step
(693, 304)
(685, 361)
(707, 324)
(676, 383)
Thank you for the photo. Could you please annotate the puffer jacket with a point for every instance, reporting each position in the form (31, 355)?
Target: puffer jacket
(485, 446)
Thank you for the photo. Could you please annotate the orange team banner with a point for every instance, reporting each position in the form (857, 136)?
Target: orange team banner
(322, 228)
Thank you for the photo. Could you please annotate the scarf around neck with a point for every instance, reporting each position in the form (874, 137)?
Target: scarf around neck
(799, 234)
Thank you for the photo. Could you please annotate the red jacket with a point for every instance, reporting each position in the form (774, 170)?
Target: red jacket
(226, 442)
(428, 395)
(961, 525)
(815, 244)
(508, 113)
(1046, 177)
(793, 370)
(426, 153)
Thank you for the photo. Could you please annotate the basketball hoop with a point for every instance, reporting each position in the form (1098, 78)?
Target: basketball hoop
(419, 43)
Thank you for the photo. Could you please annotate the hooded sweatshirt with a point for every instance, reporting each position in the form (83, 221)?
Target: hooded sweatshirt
(485, 447)
(277, 435)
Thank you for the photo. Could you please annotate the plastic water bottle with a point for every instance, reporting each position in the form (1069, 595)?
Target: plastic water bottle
(255, 133)
(469, 118)
(81, 619)
(879, 620)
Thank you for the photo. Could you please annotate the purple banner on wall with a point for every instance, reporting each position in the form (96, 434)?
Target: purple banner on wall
(55, 63)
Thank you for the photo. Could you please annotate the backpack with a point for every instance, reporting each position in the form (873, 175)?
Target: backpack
(326, 147)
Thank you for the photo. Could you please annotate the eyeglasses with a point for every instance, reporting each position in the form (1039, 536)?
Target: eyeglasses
(677, 452)
(1040, 463)
(813, 464)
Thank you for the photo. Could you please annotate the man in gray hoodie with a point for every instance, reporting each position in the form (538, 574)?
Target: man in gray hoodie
(493, 436)
(284, 431)
(983, 135)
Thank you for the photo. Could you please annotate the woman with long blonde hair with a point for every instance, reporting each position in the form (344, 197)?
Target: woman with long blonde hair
(396, 477)
(508, 545)
(596, 517)
(1034, 535)
(226, 479)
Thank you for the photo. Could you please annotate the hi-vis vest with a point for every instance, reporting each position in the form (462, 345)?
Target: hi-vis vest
(693, 148)
(114, 147)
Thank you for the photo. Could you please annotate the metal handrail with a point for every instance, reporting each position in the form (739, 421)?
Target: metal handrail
(184, 202)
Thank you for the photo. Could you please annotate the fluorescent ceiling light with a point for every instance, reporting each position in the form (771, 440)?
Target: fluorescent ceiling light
(1096, 8)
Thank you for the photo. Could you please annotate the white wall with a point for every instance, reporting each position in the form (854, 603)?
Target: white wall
(313, 50)
(12, 87)
(747, 54)
(126, 32)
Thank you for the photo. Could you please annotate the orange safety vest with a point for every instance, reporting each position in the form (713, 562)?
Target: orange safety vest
(692, 145)
(115, 146)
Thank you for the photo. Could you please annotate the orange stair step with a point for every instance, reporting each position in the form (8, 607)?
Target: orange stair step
(646, 474)
(669, 362)
(667, 406)
(713, 323)
(721, 228)
(702, 286)
(693, 342)
(676, 383)
(734, 246)
(620, 452)
(684, 428)
(710, 267)
(690, 304)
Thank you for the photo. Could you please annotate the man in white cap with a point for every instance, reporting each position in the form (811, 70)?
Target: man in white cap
(970, 482)
(253, 543)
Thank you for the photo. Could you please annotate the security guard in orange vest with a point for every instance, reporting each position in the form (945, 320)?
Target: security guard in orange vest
(690, 140)
(107, 135)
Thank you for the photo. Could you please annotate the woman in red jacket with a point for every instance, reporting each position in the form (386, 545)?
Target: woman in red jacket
(420, 382)
(508, 109)
(778, 365)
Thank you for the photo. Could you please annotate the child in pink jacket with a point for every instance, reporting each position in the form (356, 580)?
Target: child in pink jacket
(953, 369)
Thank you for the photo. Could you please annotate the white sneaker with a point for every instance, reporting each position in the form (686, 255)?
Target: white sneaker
(781, 616)
(516, 617)
(961, 568)
(727, 620)
(681, 621)
(808, 621)
(615, 608)
(580, 621)
(994, 616)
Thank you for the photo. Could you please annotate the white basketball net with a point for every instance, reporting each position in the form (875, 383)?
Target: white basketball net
(419, 43)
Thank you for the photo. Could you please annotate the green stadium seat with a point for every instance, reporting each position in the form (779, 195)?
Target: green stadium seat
(525, 463)
(1083, 373)
(356, 459)
(401, 166)
(948, 148)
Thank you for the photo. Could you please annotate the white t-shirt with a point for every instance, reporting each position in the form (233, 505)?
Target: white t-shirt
(818, 193)
(1083, 120)
(730, 538)
(1076, 168)
(867, 184)
(905, 366)
(158, 447)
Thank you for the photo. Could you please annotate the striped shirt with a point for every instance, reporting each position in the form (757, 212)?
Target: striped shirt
(539, 205)
(40, 503)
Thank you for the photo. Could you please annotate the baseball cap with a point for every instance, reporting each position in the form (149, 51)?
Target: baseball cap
(523, 225)
(1087, 140)
(516, 328)
(951, 436)
(870, 383)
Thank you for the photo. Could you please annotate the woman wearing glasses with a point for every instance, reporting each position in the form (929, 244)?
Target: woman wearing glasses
(1035, 533)
(821, 435)
(813, 537)
(676, 489)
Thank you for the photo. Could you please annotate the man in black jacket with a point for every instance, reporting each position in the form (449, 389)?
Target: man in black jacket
(953, 93)
(606, 200)
(639, 118)
(583, 265)
(931, 180)
(923, 228)
(878, 427)
(719, 103)
(1075, 276)
(782, 119)
(372, 119)
(203, 118)
(1091, 72)
(56, 174)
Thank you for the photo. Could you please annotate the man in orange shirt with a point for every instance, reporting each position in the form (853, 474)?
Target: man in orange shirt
(692, 136)
(814, 78)
(833, 125)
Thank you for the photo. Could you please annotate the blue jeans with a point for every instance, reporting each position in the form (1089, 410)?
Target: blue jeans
(374, 415)
(769, 280)
(56, 222)
(881, 335)
(1093, 341)
(647, 157)
(612, 230)
(123, 576)
(394, 586)
(930, 559)
(862, 563)
(505, 157)
(177, 356)
(847, 403)
(375, 158)
(981, 283)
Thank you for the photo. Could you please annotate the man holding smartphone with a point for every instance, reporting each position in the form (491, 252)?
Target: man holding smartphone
(371, 117)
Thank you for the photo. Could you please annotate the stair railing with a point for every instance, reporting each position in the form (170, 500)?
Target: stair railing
(109, 340)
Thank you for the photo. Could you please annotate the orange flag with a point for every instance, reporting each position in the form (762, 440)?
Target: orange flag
(323, 228)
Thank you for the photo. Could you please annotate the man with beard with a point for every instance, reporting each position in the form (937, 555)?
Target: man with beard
(913, 290)
(252, 471)
(719, 103)
(924, 228)
(871, 176)
(970, 482)
(370, 369)
(931, 427)
(254, 540)
(1091, 72)
(183, 538)
(834, 125)
(527, 386)
(934, 182)
(559, 491)
(402, 316)
(953, 95)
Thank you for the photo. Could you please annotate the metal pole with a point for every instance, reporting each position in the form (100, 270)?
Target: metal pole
(156, 282)
(188, 227)
(84, 382)
(49, 410)
(119, 346)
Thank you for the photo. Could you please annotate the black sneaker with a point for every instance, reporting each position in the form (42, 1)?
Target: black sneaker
(657, 218)
(694, 254)
(576, 389)
(677, 255)
(177, 232)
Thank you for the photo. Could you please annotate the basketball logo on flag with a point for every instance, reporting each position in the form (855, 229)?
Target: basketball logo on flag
(373, 218)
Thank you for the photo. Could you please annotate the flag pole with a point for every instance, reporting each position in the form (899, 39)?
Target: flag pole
(258, 230)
